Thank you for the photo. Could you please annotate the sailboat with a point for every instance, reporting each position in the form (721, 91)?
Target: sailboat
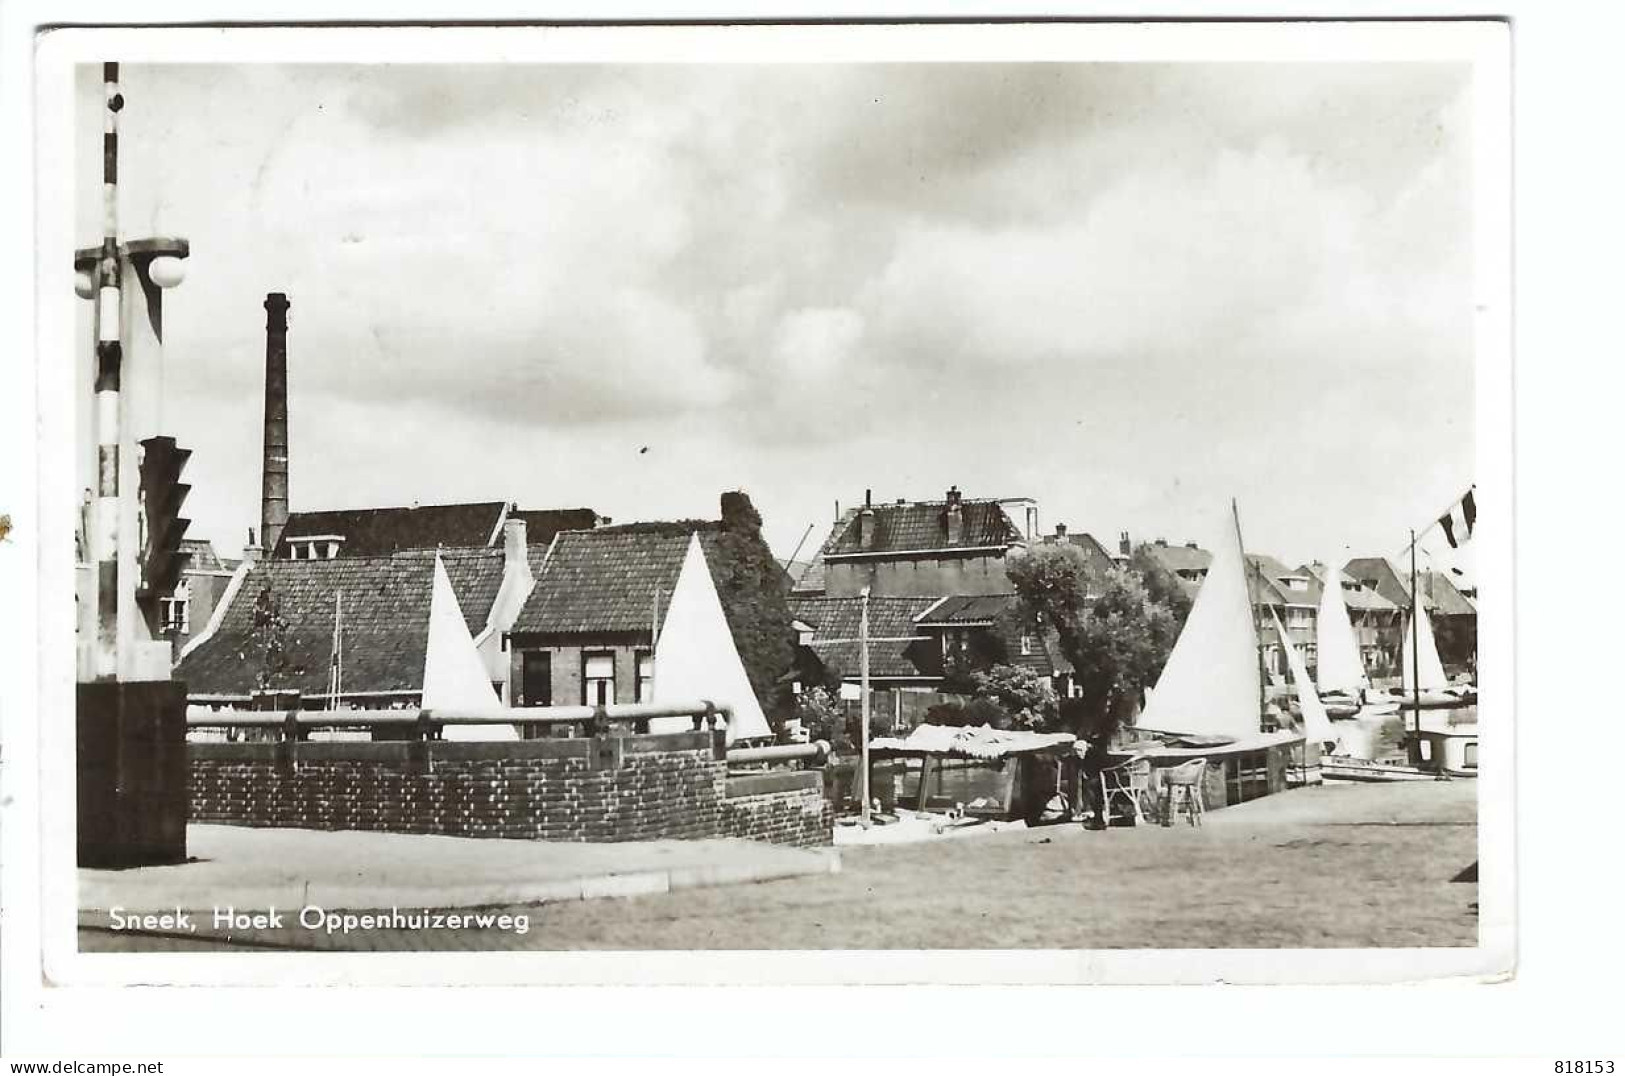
(1211, 687)
(695, 656)
(1317, 725)
(1340, 672)
(454, 674)
(1425, 685)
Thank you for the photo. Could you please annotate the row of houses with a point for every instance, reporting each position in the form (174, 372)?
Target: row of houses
(565, 606)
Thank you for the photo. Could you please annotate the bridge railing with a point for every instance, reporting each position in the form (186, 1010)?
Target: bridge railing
(419, 723)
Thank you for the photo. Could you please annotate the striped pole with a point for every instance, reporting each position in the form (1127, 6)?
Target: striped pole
(109, 360)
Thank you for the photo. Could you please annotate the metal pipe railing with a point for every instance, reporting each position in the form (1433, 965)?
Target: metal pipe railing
(704, 714)
(815, 752)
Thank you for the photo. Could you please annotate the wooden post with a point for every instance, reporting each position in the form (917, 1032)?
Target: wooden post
(863, 677)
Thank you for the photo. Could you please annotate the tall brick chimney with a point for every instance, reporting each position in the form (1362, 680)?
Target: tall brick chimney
(274, 484)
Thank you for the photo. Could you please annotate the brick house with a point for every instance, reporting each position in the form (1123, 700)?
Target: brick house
(919, 548)
(586, 633)
(187, 610)
(1453, 613)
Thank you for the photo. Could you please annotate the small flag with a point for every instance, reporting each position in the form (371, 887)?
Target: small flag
(1458, 522)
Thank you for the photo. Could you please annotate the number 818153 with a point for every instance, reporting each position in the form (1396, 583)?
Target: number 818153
(1583, 1068)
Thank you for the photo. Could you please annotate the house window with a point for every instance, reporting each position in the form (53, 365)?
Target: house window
(597, 679)
(1028, 645)
(176, 614)
(646, 676)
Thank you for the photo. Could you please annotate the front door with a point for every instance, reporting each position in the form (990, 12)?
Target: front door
(536, 678)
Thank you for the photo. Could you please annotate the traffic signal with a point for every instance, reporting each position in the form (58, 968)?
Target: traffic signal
(162, 494)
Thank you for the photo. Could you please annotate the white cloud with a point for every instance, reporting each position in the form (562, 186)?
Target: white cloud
(1108, 285)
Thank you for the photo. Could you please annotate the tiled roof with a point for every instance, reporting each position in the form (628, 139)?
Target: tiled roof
(1181, 558)
(542, 524)
(1446, 598)
(1269, 565)
(606, 580)
(811, 582)
(1439, 594)
(889, 618)
(1356, 599)
(920, 525)
(385, 621)
(200, 556)
(794, 569)
(372, 532)
(968, 609)
(1099, 558)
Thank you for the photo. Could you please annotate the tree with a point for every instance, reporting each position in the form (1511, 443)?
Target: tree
(1115, 628)
(270, 630)
(755, 598)
(822, 715)
(1161, 585)
(1027, 698)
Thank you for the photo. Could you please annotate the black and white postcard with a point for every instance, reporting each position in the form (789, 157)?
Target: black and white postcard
(956, 503)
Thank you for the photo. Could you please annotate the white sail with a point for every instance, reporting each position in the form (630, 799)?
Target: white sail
(695, 656)
(454, 675)
(1210, 685)
(1338, 654)
(1317, 727)
(1426, 652)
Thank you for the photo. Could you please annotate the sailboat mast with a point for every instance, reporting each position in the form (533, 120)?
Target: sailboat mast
(1416, 643)
(1258, 633)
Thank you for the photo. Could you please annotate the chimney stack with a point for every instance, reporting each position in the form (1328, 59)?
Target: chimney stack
(515, 554)
(513, 541)
(1060, 531)
(1123, 545)
(953, 517)
(274, 484)
(866, 522)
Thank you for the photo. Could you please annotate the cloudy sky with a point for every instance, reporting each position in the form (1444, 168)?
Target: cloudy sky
(1130, 291)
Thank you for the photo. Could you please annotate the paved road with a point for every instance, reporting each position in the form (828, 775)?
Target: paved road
(1361, 866)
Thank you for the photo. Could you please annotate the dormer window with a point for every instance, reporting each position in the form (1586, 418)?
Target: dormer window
(315, 546)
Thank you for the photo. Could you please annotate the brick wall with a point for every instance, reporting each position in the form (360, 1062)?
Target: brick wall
(786, 807)
(614, 788)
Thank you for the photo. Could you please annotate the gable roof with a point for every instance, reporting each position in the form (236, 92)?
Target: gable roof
(1439, 594)
(606, 580)
(1357, 598)
(920, 526)
(1099, 559)
(889, 618)
(201, 557)
(810, 582)
(385, 621)
(1181, 558)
